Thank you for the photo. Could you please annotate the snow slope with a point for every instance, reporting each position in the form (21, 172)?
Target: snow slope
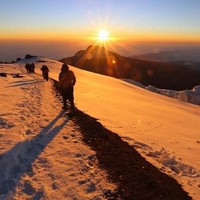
(42, 155)
(164, 130)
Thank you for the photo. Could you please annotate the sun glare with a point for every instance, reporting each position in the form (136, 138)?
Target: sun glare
(103, 35)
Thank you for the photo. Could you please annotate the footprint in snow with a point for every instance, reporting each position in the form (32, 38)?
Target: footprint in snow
(28, 188)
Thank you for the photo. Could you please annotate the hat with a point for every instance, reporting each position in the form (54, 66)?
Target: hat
(64, 67)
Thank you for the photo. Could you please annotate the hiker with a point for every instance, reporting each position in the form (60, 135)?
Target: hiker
(67, 81)
(45, 72)
(27, 66)
(32, 66)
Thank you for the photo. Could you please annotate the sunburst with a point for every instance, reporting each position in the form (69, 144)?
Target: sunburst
(103, 35)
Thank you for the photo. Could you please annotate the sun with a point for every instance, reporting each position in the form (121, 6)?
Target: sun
(103, 35)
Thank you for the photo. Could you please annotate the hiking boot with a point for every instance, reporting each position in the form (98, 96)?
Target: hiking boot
(64, 107)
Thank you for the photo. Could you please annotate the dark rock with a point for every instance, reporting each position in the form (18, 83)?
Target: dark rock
(3, 74)
(28, 56)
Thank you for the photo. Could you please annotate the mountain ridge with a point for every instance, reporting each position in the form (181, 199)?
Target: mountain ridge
(159, 74)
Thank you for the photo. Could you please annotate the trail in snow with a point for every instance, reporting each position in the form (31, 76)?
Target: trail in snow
(47, 159)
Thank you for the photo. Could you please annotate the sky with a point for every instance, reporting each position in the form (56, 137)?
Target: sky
(80, 21)
(163, 130)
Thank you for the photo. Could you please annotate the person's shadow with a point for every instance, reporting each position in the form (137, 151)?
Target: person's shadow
(135, 177)
(24, 82)
(18, 160)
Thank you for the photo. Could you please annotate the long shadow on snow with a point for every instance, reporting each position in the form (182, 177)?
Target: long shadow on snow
(24, 82)
(18, 161)
(135, 177)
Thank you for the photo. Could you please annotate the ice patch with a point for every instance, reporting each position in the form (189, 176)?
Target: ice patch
(166, 159)
(174, 163)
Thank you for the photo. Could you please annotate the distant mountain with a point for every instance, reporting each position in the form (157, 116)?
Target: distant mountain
(166, 75)
(179, 55)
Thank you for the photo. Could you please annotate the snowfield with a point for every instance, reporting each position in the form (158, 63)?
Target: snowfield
(34, 135)
(30, 120)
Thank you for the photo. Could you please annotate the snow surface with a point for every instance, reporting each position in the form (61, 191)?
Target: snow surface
(164, 130)
(33, 132)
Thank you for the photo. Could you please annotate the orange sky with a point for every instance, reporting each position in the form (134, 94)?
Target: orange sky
(76, 22)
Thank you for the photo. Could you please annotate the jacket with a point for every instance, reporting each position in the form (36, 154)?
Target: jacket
(66, 79)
